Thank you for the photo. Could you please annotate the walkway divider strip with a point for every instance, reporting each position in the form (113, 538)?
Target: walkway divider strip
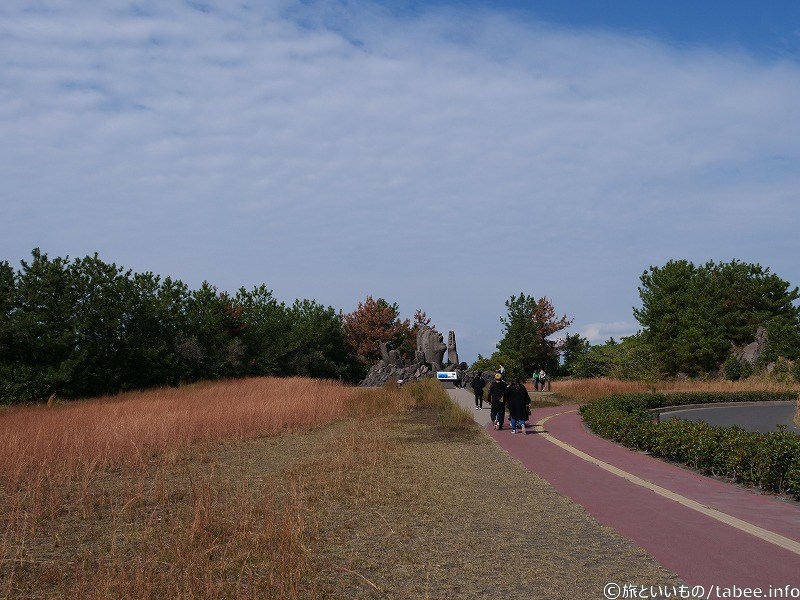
(764, 534)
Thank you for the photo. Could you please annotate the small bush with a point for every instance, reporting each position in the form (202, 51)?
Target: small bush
(732, 368)
(747, 370)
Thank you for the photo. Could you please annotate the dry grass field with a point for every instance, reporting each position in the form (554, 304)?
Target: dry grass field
(290, 488)
(587, 390)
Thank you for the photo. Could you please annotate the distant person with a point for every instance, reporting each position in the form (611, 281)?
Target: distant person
(502, 370)
(542, 378)
(536, 380)
(517, 400)
(497, 401)
(477, 386)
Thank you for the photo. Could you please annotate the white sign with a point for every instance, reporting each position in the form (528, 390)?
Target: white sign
(446, 375)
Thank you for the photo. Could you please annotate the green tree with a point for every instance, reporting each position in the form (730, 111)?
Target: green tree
(156, 323)
(8, 295)
(42, 326)
(210, 346)
(103, 298)
(267, 335)
(783, 340)
(574, 347)
(514, 369)
(629, 359)
(318, 342)
(526, 332)
(691, 315)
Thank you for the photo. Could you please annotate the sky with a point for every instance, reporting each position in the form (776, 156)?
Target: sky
(442, 155)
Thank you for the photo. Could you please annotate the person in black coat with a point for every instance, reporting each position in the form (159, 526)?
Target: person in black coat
(497, 392)
(477, 385)
(517, 400)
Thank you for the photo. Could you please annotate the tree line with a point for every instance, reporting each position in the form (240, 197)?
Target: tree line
(694, 319)
(84, 327)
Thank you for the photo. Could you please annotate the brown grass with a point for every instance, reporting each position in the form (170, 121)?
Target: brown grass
(72, 441)
(588, 390)
(93, 469)
(283, 489)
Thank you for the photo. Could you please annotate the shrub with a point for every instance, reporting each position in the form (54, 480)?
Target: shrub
(732, 368)
(513, 367)
(747, 370)
(770, 460)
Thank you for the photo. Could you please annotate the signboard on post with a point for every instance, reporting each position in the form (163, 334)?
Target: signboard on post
(446, 375)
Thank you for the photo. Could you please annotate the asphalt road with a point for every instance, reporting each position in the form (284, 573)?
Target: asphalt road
(753, 417)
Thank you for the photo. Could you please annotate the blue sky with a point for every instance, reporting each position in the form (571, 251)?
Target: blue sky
(442, 155)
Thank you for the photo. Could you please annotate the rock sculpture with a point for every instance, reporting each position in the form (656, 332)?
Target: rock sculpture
(384, 348)
(428, 358)
(390, 357)
(432, 345)
(452, 353)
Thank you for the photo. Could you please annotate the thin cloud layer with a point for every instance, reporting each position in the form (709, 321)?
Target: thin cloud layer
(442, 160)
(597, 333)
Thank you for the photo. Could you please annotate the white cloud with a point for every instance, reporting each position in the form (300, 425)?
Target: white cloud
(337, 151)
(598, 333)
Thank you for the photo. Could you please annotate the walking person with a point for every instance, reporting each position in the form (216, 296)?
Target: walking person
(497, 404)
(542, 377)
(477, 386)
(459, 378)
(517, 399)
(536, 380)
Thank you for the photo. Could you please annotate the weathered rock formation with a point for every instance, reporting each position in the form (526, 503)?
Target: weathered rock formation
(428, 358)
(452, 353)
(431, 343)
(389, 356)
(752, 352)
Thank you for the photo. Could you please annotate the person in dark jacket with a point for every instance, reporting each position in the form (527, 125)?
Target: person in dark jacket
(517, 400)
(477, 385)
(497, 400)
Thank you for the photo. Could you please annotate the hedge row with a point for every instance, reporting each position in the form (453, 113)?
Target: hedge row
(769, 460)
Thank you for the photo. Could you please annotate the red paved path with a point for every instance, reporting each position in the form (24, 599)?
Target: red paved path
(700, 549)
